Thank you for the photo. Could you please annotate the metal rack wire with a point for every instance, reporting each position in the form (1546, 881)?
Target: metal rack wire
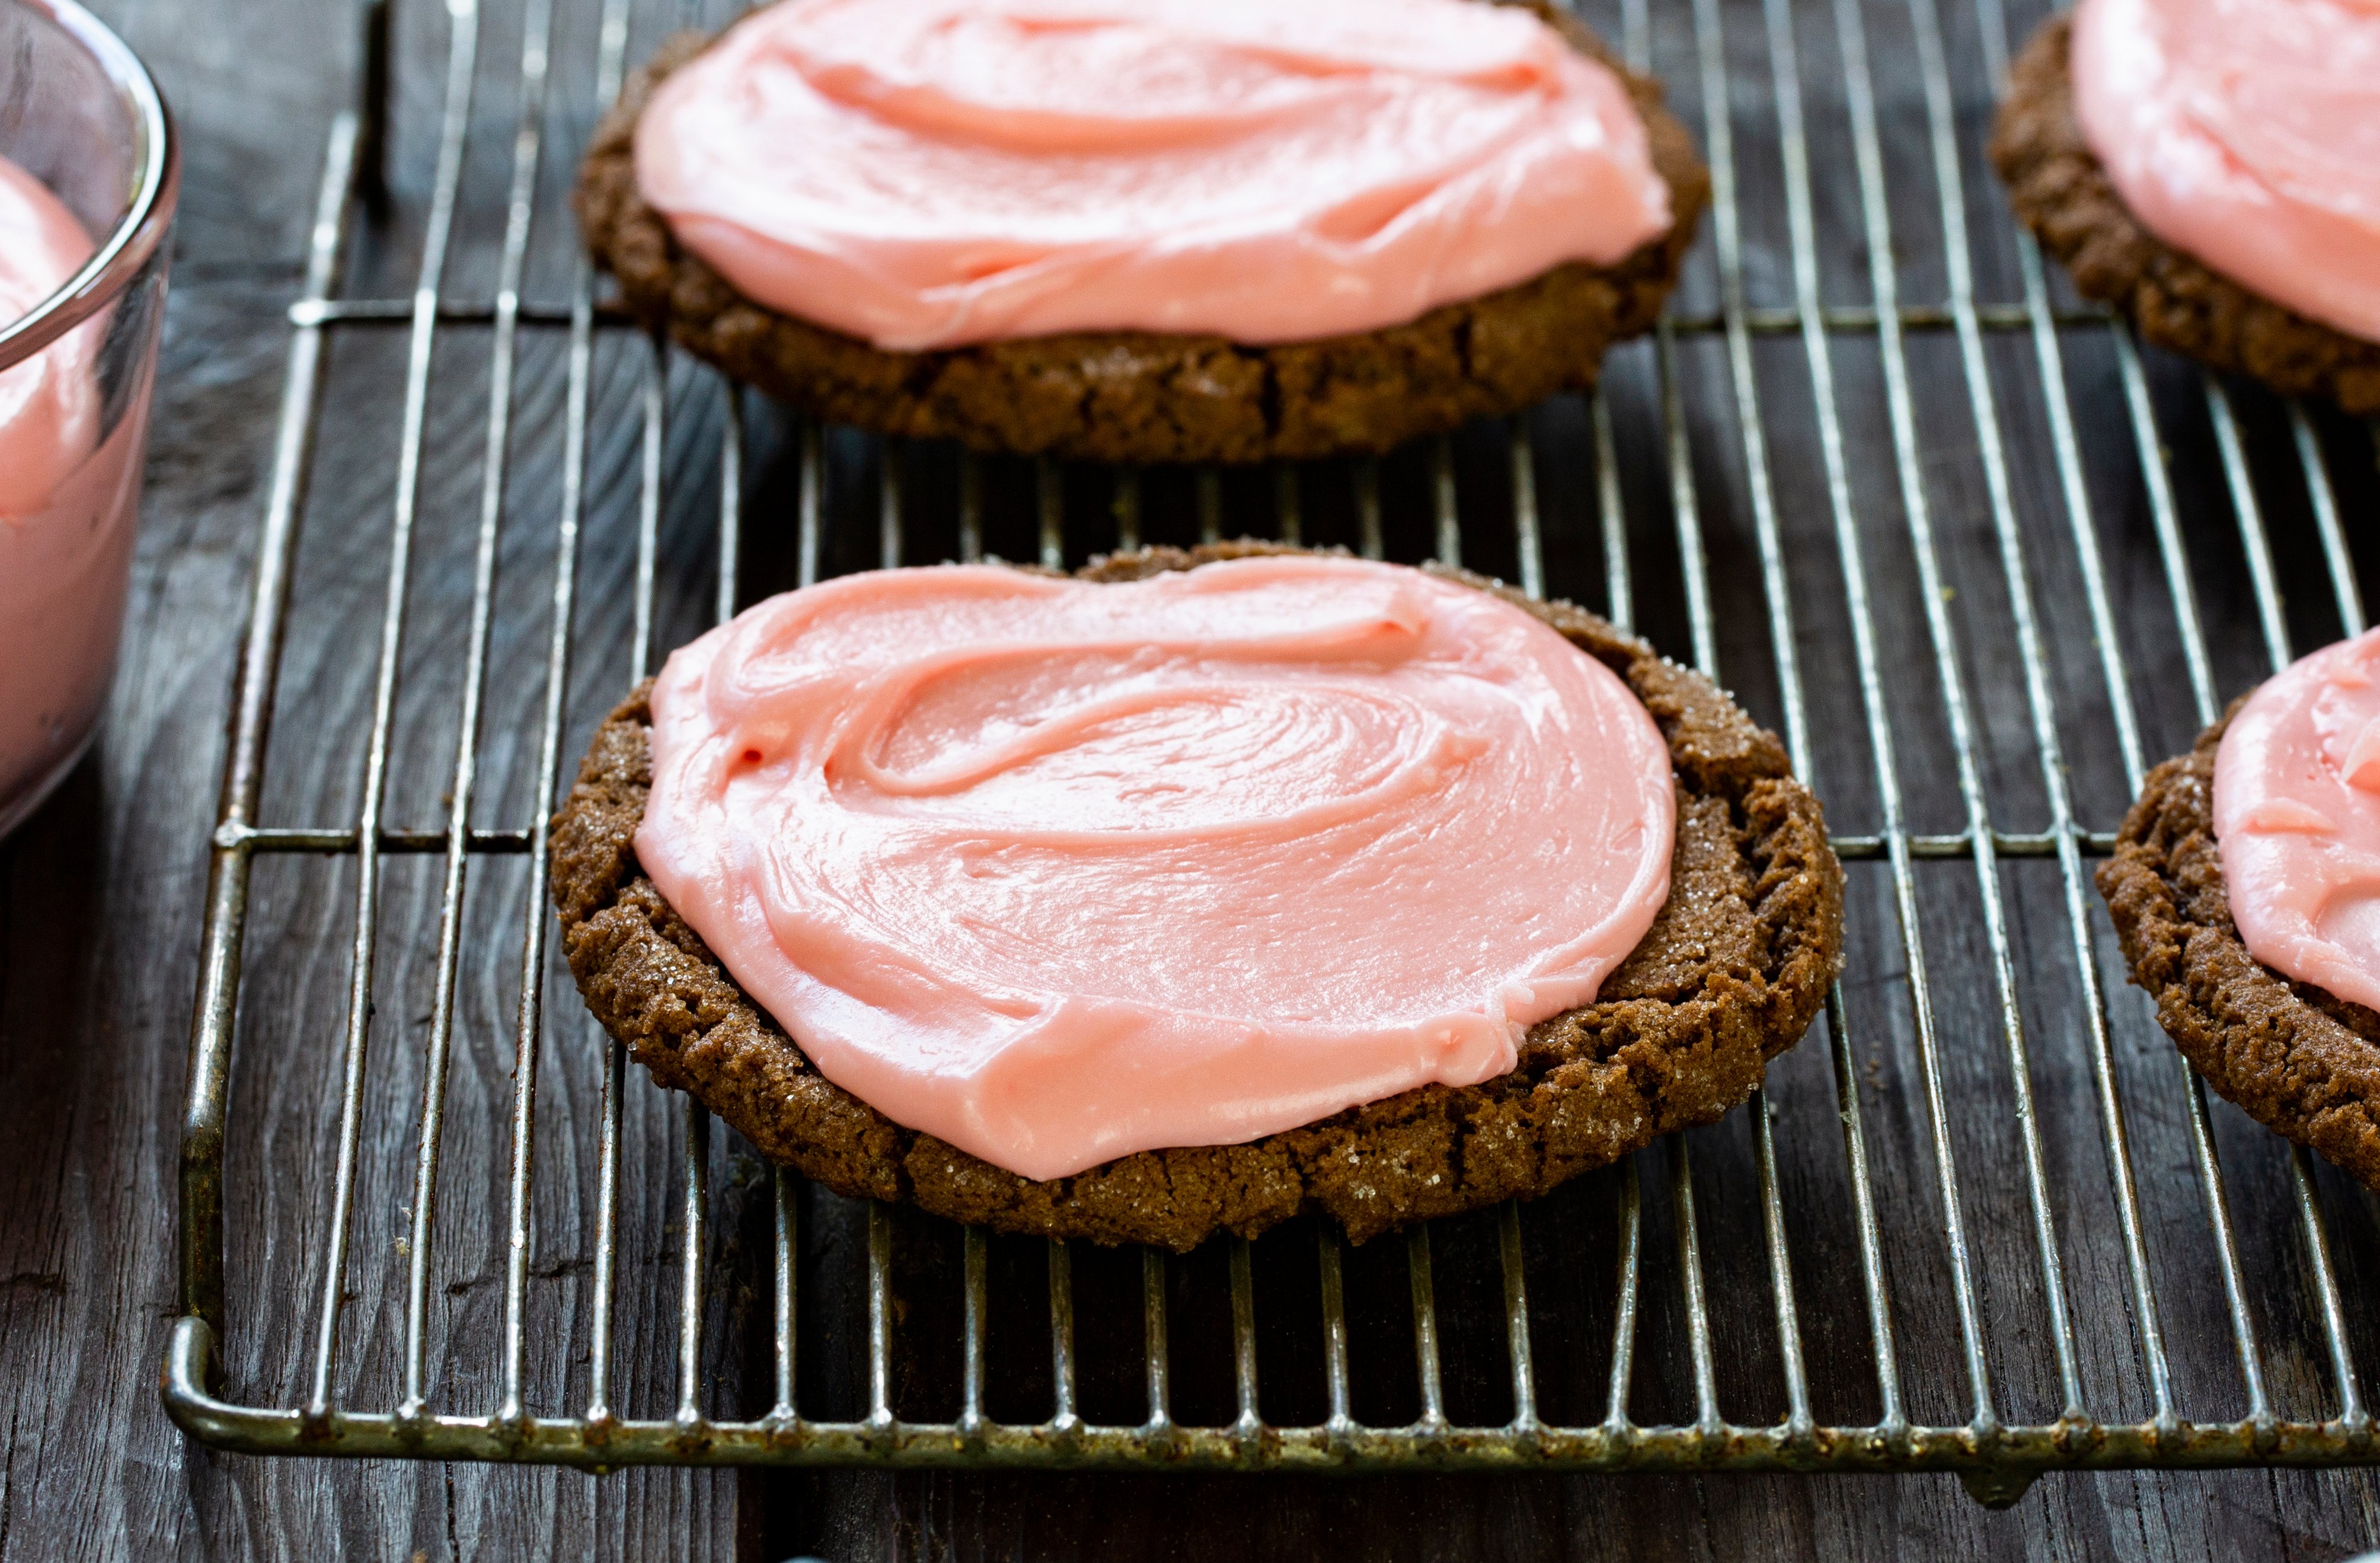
(1996, 1454)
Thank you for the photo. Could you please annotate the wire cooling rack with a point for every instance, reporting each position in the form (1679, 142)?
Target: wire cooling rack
(1978, 555)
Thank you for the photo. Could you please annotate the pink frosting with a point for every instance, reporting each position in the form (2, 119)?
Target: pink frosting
(49, 405)
(927, 173)
(66, 502)
(2246, 132)
(1059, 871)
(2297, 815)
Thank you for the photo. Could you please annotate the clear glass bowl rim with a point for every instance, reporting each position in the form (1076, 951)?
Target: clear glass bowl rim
(143, 226)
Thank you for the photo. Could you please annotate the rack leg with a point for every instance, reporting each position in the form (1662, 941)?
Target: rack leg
(1998, 1487)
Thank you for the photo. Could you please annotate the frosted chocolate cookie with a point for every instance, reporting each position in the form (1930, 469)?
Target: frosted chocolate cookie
(1176, 231)
(2245, 888)
(2212, 171)
(1192, 893)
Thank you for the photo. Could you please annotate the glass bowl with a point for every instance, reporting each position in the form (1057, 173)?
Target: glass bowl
(89, 168)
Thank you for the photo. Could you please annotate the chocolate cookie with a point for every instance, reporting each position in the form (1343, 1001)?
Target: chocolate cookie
(2064, 196)
(1137, 395)
(1730, 975)
(2296, 1059)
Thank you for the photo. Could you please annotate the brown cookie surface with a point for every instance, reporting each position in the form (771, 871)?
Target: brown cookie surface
(1133, 396)
(2296, 1059)
(2063, 194)
(1730, 975)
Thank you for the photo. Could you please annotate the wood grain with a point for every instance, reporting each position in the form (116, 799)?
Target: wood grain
(100, 902)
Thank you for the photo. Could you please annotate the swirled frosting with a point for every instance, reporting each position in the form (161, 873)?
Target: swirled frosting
(2296, 818)
(1059, 871)
(929, 173)
(2247, 133)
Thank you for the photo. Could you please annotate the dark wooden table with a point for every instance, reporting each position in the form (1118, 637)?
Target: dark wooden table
(99, 934)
